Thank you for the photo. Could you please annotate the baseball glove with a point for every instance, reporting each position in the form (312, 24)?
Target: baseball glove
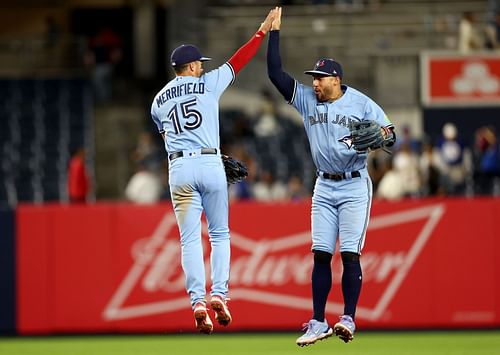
(236, 171)
(366, 136)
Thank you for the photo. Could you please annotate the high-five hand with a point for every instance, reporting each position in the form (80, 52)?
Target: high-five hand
(276, 24)
(266, 25)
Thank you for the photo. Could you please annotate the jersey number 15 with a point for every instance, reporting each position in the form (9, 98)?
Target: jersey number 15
(188, 112)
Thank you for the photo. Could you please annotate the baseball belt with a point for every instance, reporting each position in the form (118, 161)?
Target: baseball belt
(179, 154)
(338, 176)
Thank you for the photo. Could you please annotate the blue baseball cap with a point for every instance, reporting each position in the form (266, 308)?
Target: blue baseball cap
(186, 53)
(327, 67)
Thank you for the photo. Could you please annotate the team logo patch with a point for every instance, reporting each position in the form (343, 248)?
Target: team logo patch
(347, 140)
(320, 63)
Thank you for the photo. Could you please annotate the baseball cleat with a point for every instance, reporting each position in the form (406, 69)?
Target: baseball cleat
(202, 319)
(222, 314)
(344, 329)
(315, 331)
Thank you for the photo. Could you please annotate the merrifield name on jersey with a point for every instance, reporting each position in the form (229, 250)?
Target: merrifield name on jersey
(180, 90)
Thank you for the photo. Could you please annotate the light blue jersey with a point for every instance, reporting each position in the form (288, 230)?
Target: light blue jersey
(186, 113)
(343, 192)
(186, 110)
(326, 125)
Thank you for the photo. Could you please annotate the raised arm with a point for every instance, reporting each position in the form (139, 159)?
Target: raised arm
(249, 49)
(283, 82)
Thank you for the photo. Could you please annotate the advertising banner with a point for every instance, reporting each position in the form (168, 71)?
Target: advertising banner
(451, 79)
(116, 268)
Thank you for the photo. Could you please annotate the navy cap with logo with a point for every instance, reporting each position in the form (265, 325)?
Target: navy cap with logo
(327, 67)
(186, 53)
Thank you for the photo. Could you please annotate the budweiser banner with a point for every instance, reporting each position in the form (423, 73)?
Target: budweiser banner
(450, 79)
(116, 268)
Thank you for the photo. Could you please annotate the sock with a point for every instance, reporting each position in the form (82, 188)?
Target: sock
(321, 285)
(351, 285)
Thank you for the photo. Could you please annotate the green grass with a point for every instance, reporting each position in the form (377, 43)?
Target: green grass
(365, 343)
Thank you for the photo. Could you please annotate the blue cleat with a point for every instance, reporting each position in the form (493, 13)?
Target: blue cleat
(344, 329)
(315, 331)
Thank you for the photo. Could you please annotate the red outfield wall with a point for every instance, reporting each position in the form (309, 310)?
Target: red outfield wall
(116, 267)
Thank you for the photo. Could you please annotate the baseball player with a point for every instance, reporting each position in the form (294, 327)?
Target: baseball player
(186, 112)
(343, 190)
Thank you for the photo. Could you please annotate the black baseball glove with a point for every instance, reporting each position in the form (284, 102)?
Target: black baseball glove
(366, 136)
(236, 171)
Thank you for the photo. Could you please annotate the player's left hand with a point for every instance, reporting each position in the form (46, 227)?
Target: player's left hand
(367, 135)
(266, 25)
(236, 171)
(276, 24)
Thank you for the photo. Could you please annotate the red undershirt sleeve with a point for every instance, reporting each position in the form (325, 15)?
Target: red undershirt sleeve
(246, 52)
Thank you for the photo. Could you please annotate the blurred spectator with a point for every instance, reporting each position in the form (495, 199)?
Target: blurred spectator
(403, 180)
(267, 123)
(144, 187)
(147, 153)
(493, 33)
(295, 189)
(147, 183)
(391, 185)
(78, 181)
(445, 25)
(469, 38)
(105, 52)
(430, 166)
(379, 163)
(456, 159)
(406, 137)
(243, 189)
(267, 188)
(487, 162)
(406, 164)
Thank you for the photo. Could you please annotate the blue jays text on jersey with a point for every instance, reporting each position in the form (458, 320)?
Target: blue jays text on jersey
(339, 119)
(326, 125)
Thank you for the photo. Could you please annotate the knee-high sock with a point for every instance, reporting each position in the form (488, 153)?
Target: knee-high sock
(351, 282)
(321, 283)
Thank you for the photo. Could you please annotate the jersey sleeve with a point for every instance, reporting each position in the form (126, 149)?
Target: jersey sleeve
(301, 98)
(280, 79)
(156, 120)
(375, 112)
(246, 52)
(218, 80)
